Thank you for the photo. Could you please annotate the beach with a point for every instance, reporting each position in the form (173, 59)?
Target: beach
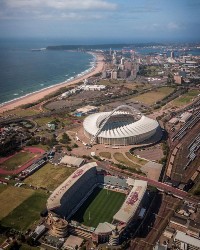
(32, 97)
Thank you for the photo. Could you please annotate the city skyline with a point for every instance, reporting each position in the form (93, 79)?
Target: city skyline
(101, 20)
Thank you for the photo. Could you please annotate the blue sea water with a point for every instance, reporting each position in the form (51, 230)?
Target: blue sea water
(23, 71)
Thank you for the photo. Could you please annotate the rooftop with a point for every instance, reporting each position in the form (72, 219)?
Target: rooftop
(54, 199)
(183, 237)
(71, 160)
(132, 202)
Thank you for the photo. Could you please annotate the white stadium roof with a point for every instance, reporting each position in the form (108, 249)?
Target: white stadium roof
(122, 128)
(54, 199)
(132, 202)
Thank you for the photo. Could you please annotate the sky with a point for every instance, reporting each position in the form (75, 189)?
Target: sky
(94, 21)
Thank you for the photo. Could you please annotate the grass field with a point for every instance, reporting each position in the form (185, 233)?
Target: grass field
(105, 155)
(152, 97)
(185, 98)
(135, 159)
(17, 160)
(122, 159)
(43, 121)
(49, 176)
(23, 112)
(12, 197)
(101, 206)
(27, 213)
(2, 188)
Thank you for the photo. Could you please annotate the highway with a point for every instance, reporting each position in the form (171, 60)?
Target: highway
(159, 185)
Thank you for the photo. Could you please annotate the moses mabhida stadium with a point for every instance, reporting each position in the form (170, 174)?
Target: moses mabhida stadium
(123, 126)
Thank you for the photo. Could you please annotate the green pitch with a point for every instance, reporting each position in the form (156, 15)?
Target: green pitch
(100, 206)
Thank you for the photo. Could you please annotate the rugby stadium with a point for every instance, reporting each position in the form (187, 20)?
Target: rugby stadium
(94, 203)
(123, 126)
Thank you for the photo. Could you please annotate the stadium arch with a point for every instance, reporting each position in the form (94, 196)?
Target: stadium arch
(121, 107)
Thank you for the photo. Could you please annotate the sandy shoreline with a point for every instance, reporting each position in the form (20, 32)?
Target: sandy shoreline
(32, 97)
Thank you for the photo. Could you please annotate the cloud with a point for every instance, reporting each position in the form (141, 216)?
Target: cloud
(62, 4)
(56, 9)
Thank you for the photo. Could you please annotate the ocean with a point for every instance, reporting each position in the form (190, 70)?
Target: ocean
(23, 71)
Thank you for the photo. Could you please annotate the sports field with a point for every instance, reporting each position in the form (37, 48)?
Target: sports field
(17, 160)
(11, 197)
(185, 98)
(27, 213)
(49, 176)
(152, 97)
(100, 207)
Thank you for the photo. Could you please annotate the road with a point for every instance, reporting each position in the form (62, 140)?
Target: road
(159, 185)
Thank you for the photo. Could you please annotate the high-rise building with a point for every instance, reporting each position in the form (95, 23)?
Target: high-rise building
(104, 74)
(122, 61)
(128, 65)
(114, 74)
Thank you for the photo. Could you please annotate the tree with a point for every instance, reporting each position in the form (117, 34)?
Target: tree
(65, 139)
(83, 248)
(21, 238)
(52, 142)
(14, 246)
(30, 241)
(69, 148)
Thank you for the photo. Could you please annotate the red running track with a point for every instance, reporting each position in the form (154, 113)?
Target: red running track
(37, 151)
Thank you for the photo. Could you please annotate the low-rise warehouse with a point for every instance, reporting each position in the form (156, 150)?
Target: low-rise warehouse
(72, 161)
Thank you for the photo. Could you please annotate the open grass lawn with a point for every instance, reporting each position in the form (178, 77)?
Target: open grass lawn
(43, 121)
(105, 155)
(23, 112)
(49, 176)
(2, 239)
(100, 207)
(108, 82)
(27, 213)
(12, 197)
(3, 187)
(17, 160)
(122, 159)
(152, 97)
(135, 159)
(185, 98)
(45, 147)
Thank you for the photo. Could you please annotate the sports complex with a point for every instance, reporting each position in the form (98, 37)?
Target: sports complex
(20, 161)
(95, 203)
(123, 126)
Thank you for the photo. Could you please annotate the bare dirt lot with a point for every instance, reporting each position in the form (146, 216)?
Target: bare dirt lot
(154, 153)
